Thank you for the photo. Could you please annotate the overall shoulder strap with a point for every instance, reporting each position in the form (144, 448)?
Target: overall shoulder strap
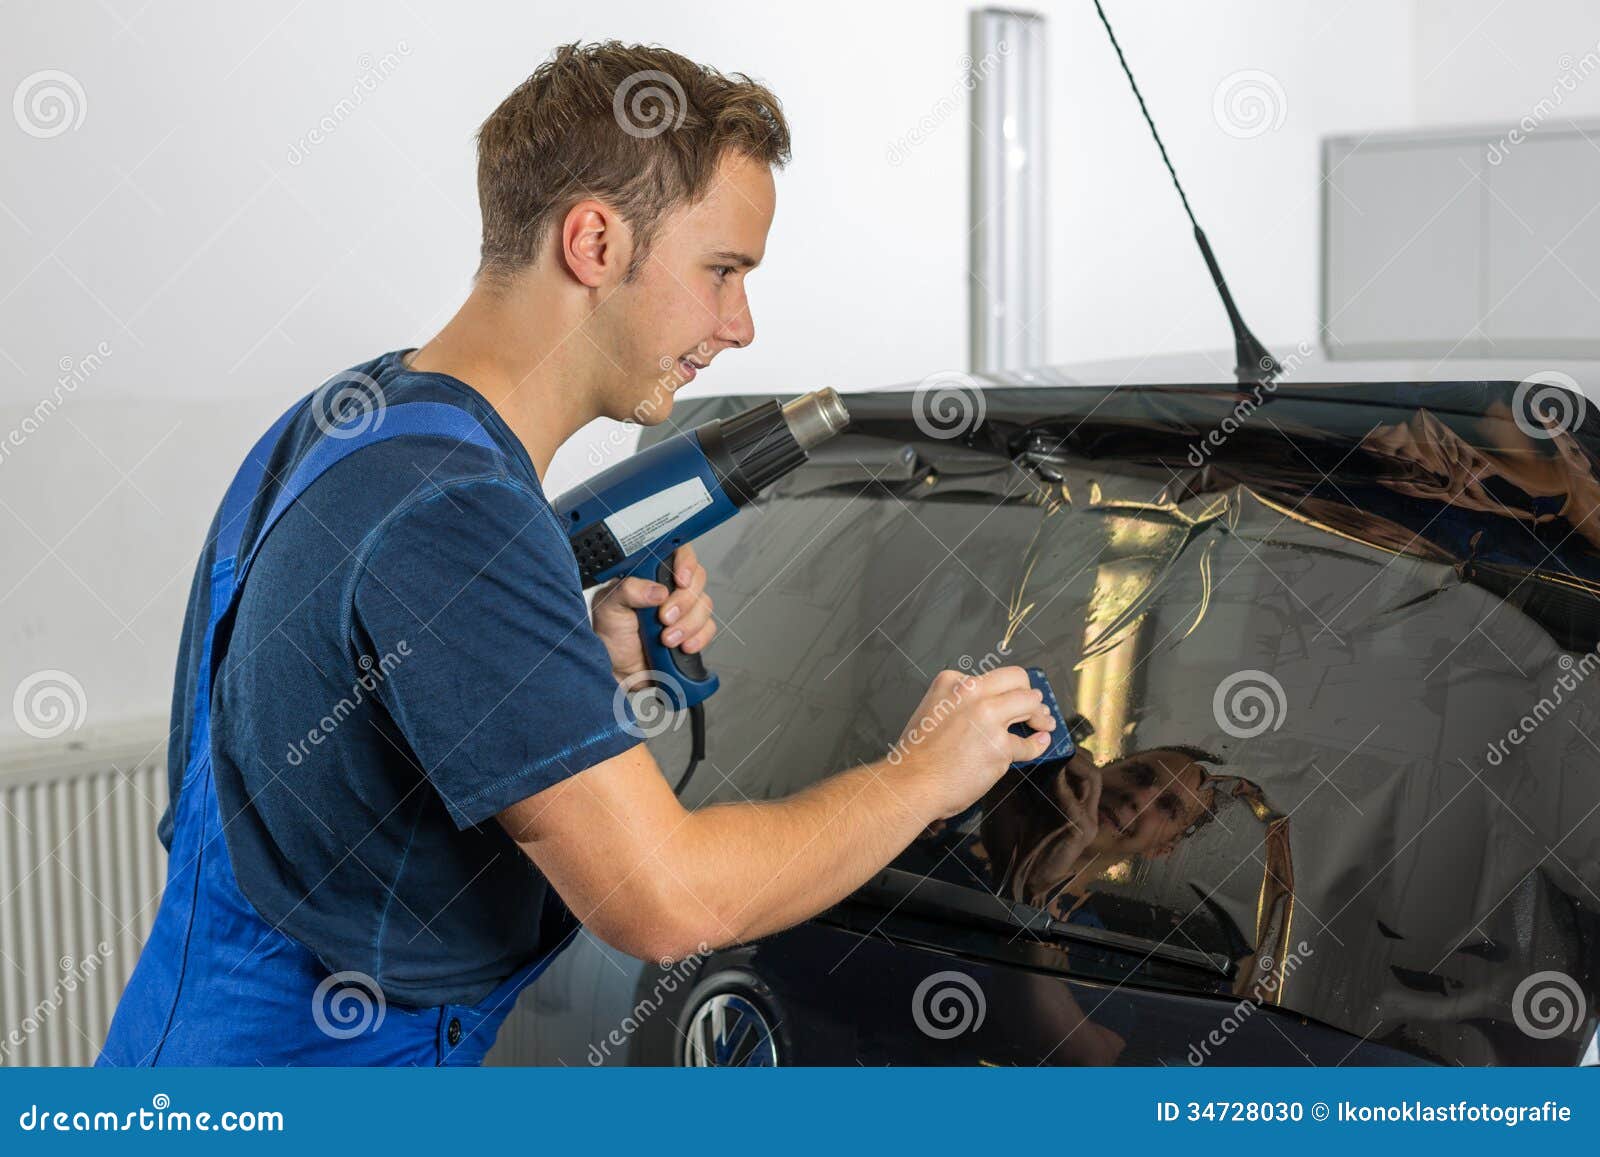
(231, 518)
(417, 419)
(246, 485)
(231, 564)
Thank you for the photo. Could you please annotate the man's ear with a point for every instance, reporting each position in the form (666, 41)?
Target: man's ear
(596, 244)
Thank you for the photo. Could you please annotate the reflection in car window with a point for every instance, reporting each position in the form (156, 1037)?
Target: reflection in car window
(1314, 711)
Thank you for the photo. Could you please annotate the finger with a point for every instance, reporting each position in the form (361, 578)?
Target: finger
(684, 564)
(1003, 679)
(1063, 787)
(1091, 802)
(688, 590)
(1022, 750)
(696, 581)
(1041, 719)
(682, 602)
(635, 592)
(1024, 706)
(689, 623)
(699, 640)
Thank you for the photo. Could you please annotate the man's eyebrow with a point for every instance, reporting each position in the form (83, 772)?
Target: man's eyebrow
(733, 257)
(1143, 764)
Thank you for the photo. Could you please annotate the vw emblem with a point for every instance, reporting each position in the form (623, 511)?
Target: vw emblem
(729, 1031)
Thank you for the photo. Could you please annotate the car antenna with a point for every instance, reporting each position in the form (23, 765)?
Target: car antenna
(1255, 362)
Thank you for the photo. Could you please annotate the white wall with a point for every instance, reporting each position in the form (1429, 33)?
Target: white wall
(1483, 62)
(1127, 278)
(225, 278)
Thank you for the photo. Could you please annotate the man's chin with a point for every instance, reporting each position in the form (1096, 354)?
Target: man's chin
(654, 408)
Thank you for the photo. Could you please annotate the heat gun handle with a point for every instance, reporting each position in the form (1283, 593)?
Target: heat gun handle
(683, 678)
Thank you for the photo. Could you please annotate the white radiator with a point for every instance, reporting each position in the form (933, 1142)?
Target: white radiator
(81, 873)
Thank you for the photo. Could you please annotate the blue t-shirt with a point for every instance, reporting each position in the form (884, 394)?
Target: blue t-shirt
(411, 654)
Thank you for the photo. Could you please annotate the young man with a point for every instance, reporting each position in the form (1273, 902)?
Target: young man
(415, 732)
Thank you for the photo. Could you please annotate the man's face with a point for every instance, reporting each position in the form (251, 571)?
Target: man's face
(687, 303)
(1148, 801)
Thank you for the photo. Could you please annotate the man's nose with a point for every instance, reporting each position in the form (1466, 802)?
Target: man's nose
(1125, 806)
(740, 329)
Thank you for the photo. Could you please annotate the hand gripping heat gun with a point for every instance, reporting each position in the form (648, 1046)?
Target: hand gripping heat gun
(629, 519)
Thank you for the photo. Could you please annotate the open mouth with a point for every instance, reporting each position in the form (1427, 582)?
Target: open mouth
(688, 369)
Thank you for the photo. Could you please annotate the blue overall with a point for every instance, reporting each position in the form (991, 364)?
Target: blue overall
(216, 984)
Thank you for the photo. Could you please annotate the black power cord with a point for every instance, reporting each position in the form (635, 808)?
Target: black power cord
(697, 745)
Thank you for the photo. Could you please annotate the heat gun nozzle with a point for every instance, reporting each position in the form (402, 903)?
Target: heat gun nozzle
(752, 450)
(815, 417)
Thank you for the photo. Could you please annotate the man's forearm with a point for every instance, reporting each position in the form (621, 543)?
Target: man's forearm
(657, 881)
(760, 867)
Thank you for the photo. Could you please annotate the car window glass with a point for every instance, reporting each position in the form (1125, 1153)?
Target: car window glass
(1325, 748)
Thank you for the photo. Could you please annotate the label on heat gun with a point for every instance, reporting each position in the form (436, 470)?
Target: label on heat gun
(648, 519)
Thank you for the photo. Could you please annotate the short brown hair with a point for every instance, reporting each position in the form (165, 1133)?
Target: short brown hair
(635, 126)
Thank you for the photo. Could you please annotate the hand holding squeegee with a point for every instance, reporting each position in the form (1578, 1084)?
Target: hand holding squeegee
(1061, 745)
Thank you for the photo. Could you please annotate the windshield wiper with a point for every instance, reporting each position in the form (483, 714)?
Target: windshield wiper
(896, 890)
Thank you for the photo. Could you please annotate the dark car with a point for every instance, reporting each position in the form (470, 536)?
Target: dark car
(1329, 645)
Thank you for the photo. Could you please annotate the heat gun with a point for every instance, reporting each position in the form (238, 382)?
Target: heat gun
(629, 519)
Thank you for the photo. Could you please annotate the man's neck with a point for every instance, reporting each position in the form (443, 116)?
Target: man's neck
(514, 349)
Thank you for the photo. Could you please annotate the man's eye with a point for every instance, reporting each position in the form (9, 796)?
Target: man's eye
(1141, 775)
(722, 271)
